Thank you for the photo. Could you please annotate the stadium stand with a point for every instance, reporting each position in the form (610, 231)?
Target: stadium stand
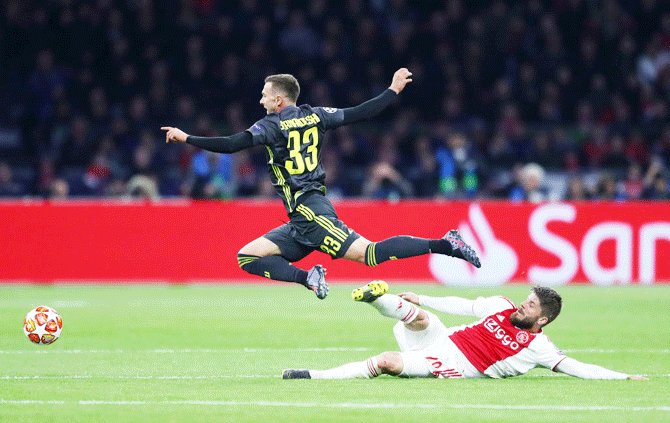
(580, 88)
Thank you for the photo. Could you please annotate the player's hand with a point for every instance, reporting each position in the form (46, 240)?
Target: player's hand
(174, 134)
(410, 296)
(637, 377)
(400, 78)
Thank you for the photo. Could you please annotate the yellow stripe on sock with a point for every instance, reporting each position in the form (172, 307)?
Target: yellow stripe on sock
(371, 260)
(241, 261)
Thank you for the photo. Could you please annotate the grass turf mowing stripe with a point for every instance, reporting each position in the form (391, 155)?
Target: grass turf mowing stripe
(345, 405)
(160, 377)
(187, 351)
(190, 377)
(262, 350)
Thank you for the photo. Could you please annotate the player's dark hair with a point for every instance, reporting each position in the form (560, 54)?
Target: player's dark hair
(287, 84)
(550, 302)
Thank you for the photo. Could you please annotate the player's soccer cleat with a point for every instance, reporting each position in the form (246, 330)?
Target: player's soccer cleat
(316, 281)
(370, 292)
(295, 374)
(460, 249)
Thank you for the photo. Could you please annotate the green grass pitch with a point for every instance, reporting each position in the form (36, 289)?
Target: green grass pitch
(160, 353)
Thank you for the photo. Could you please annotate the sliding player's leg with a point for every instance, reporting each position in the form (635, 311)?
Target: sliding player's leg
(403, 246)
(406, 364)
(417, 329)
(423, 329)
(376, 294)
(271, 255)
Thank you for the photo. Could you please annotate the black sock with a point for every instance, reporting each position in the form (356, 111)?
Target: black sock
(272, 267)
(440, 246)
(397, 247)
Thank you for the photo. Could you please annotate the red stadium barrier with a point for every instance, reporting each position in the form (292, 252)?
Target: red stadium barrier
(550, 243)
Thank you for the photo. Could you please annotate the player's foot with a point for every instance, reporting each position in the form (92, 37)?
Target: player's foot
(370, 292)
(460, 249)
(295, 374)
(316, 281)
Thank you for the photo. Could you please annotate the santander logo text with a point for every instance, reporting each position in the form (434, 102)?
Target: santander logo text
(558, 243)
(618, 232)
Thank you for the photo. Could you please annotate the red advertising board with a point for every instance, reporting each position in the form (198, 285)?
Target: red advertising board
(551, 243)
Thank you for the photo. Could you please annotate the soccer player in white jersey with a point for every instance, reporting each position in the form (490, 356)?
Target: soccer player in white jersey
(507, 341)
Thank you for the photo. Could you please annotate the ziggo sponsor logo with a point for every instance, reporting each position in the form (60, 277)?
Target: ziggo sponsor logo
(500, 334)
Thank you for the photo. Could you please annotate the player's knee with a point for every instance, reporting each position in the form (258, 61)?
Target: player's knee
(356, 251)
(420, 323)
(390, 363)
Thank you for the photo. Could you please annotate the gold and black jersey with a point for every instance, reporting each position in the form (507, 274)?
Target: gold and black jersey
(293, 139)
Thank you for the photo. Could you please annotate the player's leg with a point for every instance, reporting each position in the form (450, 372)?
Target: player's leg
(416, 329)
(408, 364)
(376, 294)
(270, 256)
(403, 246)
(385, 363)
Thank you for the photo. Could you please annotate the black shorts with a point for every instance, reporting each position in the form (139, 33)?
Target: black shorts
(314, 226)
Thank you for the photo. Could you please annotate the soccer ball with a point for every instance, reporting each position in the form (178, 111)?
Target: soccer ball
(42, 325)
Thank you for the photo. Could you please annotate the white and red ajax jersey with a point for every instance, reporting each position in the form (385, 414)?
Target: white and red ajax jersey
(498, 349)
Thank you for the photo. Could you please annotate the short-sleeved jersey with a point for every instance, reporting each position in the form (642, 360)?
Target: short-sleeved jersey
(498, 349)
(293, 139)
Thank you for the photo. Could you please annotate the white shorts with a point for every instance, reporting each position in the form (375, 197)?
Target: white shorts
(430, 352)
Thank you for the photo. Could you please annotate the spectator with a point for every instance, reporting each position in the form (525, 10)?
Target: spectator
(384, 180)
(424, 172)
(141, 187)
(59, 190)
(212, 175)
(576, 190)
(607, 188)
(459, 167)
(632, 186)
(9, 188)
(531, 188)
(655, 183)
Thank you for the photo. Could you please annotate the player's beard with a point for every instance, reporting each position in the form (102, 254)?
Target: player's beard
(525, 323)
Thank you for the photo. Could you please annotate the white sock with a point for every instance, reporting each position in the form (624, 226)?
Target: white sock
(393, 306)
(359, 369)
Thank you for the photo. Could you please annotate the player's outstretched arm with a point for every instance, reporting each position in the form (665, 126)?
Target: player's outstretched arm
(376, 105)
(575, 368)
(174, 134)
(400, 78)
(230, 144)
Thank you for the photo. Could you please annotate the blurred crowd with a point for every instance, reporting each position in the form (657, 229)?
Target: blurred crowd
(525, 100)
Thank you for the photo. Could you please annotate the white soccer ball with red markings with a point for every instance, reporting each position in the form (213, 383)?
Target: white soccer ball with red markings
(42, 325)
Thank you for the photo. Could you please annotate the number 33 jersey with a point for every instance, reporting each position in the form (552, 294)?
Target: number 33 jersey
(293, 139)
(498, 349)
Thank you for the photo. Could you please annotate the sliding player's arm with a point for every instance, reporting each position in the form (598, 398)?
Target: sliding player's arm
(575, 368)
(480, 307)
(229, 144)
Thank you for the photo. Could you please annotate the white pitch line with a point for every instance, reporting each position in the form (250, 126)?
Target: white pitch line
(188, 377)
(346, 405)
(289, 350)
(186, 351)
(616, 351)
(138, 377)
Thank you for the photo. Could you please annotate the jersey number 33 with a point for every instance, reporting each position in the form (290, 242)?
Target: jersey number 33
(302, 160)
